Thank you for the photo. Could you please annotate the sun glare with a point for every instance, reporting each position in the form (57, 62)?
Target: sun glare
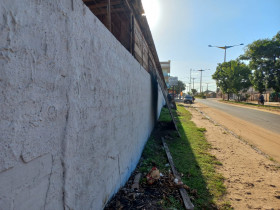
(151, 8)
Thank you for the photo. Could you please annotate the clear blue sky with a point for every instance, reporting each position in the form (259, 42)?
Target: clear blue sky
(183, 29)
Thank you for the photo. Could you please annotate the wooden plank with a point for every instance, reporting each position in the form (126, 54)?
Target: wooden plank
(95, 5)
(132, 34)
(104, 11)
(186, 199)
(109, 15)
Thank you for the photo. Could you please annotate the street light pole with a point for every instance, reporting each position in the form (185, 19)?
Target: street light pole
(190, 84)
(225, 55)
(207, 92)
(200, 79)
(225, 48)
(201, 70)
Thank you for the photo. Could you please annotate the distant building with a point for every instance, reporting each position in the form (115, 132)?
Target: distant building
(165, 66)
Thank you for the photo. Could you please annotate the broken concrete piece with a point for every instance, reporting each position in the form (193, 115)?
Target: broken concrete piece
(136, 181)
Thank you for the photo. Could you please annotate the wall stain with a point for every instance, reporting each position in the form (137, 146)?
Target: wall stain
(52, 113)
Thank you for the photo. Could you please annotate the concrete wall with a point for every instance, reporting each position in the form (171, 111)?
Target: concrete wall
(76, 107)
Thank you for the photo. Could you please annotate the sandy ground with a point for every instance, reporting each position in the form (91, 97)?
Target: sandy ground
(252, 180)
(266, 141)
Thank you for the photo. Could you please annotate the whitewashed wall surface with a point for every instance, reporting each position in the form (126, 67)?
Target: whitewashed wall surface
(76, 107)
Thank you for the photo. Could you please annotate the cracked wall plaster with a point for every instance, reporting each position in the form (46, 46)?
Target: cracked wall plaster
(75, 107)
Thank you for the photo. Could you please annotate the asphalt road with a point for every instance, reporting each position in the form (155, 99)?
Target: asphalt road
(263, 119)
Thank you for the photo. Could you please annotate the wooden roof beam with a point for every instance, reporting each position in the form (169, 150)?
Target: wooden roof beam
(92, 4)
(103, 11)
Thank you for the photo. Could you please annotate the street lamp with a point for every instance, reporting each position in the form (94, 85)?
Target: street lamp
(225, 48)
(201, 70)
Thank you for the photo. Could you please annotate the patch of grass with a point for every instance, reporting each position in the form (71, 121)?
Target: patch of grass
(164, 115)
(172, 203)
(201, 130)
(192, 158)
(272, 159)
(226, 206)
(153, 153)
(218, 163)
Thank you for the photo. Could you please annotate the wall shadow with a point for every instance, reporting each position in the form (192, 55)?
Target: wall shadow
(189, 162)
(154, 97)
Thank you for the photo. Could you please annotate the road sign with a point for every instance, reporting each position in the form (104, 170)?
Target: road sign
(173, 81)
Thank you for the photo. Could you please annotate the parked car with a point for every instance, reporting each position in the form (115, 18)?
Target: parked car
(188, 99)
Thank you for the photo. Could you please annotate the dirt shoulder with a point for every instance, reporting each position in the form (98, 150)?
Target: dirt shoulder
(265, 140)
(252, 180)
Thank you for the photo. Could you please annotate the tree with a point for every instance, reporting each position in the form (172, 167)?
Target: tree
(180, 87)
(258, 81)
(264, 59)
(194, 91)
(222, 76)
(232, 77)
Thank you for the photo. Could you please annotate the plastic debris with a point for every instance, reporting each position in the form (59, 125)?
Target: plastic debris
(178, 182)
(153, 175)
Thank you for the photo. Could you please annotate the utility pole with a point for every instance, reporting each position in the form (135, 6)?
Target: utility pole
(207, 90)
(190, 84)
(201, 70)
(190, 76)
(180, 93)
(200, 78)
(193, 82)
(207, 86)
